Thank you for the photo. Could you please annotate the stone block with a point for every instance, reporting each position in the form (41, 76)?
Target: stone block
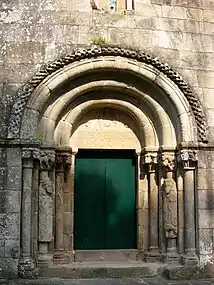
(13, 179)
(174, 12)
(30, 118)
(206, 199)
(135, 37)
(205, 179)
(178, 25)
(189, 75)
(208, 15)
(14, 157)
(109, 20)
(56, 33)
(26, 52)
(10, 201)
(206, 220)
(210, 117)
(68, 223)
(10, 33)
(164, 39)
(87, 34)
(170, 2)
(2, 246)
(68, 242)
(195, 14)
(10, 225)
(19, 73)
(206, 79)
(202, 43)
(208, 97)
(205, 241)
(9, 267)
(12, 248)
(205, 161)
(142, 22)
(208, 28)
(147, 10)
(179, 272)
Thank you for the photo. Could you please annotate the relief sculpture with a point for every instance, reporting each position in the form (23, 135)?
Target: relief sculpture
(170, 208)
(46, 197)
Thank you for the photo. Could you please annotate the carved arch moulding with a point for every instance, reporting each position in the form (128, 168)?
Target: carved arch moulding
(76, 55)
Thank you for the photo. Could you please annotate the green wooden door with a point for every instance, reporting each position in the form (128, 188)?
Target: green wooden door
(104, 200)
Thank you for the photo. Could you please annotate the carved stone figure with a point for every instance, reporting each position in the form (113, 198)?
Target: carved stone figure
(170, 208)
(46, 196)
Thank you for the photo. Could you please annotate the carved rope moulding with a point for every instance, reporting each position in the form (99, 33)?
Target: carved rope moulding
(92, 52)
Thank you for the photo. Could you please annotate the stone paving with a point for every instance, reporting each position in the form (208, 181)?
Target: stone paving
(145, 281)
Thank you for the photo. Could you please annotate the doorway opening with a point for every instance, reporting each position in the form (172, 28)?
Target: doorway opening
(105, 216)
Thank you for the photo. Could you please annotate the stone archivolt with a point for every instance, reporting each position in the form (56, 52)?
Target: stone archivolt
(94, 52)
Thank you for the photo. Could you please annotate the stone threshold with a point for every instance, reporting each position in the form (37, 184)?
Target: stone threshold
(85, 270)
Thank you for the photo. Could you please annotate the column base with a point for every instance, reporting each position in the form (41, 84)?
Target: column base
(60, 257)
(171, 257)
(44, 260)
(27, 268)
(152, 256)
(189, 259)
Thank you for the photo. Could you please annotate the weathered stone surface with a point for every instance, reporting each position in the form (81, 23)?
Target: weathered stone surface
(10, 201)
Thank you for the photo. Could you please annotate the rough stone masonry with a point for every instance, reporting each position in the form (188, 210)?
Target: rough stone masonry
(113, 75)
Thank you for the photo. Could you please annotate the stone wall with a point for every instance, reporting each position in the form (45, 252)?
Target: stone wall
(180, 32)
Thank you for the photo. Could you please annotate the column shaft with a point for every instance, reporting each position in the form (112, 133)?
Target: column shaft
(26, 206)
(189, 208)
(59, 210)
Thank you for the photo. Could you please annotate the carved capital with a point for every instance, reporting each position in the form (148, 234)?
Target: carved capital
(188, 158)
(167, 161)
(63, 160)
(31, 153)
(47, 160)
(149, 161)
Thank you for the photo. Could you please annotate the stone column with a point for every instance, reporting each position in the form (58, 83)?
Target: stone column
(46, 205)
(150, 163)
(188, 160)
(169, 204)
(63, 162)
(26, 266)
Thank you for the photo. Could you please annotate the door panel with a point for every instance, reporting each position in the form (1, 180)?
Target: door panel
(89, 198)
(120, 204)
(104, 200)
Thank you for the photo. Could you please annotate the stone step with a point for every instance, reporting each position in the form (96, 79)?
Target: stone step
(106, 255)
(102, 270)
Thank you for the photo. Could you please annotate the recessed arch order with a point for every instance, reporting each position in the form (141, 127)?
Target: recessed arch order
(141, 86)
